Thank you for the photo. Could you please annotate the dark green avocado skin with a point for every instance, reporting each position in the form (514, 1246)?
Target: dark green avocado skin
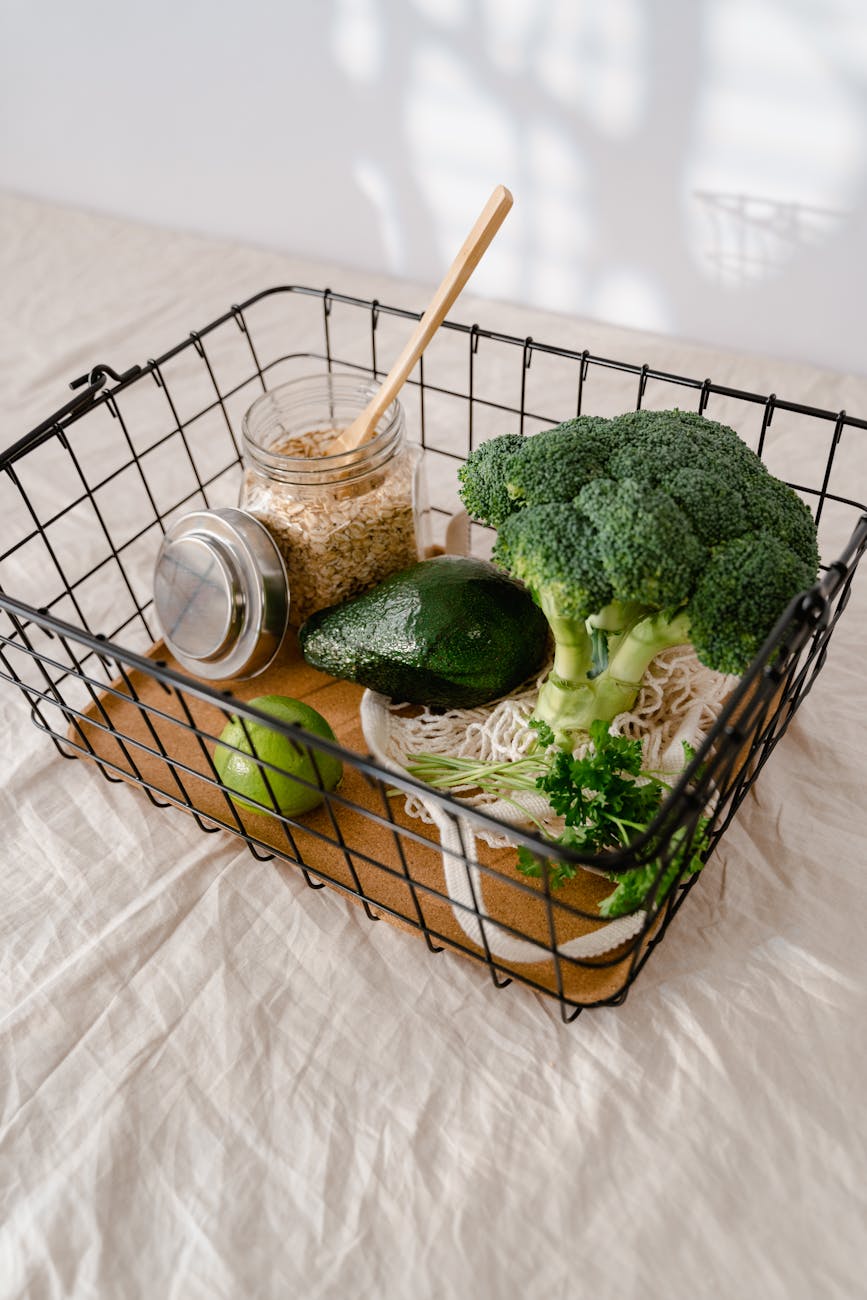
(450, 631)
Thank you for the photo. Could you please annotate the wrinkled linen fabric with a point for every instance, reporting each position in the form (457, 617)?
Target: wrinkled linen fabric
(217, 1082)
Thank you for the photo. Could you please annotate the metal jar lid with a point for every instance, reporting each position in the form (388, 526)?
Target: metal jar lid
(221, 593)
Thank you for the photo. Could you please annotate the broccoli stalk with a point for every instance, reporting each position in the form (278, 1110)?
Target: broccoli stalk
(573, 649)
(570, 702)
(650, 530)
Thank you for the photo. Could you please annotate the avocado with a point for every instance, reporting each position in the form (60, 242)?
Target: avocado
(451, 631)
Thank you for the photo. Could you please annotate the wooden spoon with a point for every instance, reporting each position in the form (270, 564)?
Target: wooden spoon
(471, 253)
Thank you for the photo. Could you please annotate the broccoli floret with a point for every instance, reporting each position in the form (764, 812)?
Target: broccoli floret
(773, 507)
(553, 550)
(556, 464)
(740, 596)
(654, 529)
(482, 479)
(650, 445)
(648, 548)
(715, 516)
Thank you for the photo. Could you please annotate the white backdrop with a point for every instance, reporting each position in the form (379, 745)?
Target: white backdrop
(694, 167)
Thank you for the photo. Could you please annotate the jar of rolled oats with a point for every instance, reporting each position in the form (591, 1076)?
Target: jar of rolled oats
(342, 522)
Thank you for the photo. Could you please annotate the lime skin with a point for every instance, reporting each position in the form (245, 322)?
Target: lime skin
(243, 776)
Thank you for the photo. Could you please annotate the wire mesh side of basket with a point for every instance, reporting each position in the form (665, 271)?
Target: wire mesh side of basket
(163, 439)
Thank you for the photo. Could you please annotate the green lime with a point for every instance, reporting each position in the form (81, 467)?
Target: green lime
(244, 776)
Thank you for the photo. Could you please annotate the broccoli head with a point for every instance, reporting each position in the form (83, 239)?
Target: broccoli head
(652, 529)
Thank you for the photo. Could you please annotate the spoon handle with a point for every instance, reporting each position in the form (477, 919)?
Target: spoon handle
(470, 254)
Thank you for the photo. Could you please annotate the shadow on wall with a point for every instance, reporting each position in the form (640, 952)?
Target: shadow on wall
(695, 167)
(752, 238)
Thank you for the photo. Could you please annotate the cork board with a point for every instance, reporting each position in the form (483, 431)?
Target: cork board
(359, 842)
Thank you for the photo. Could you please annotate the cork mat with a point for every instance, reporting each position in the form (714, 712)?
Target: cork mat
(365, 845)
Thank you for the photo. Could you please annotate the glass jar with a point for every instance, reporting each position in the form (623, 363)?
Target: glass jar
(342, 522)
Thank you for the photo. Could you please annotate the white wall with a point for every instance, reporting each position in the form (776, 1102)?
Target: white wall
(697, 167)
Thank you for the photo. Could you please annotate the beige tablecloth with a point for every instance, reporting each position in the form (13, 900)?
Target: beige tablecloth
(216, 1082)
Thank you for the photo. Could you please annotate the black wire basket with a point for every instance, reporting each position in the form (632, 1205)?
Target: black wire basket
(86, 496)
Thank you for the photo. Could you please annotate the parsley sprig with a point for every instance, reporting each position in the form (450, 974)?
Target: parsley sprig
(606, 799)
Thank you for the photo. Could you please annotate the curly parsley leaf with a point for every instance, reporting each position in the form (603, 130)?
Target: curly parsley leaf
(606, 801)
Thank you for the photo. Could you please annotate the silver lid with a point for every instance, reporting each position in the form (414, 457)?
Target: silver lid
(221, 593)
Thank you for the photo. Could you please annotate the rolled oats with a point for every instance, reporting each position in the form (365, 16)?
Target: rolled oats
(340, 536)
